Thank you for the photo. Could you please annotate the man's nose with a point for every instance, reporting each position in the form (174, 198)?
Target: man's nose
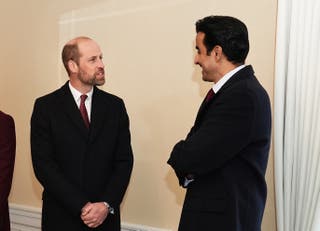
(100, 63)
(196, 59)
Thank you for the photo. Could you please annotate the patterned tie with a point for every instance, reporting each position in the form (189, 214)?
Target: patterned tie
(210, 95)
(83, 110)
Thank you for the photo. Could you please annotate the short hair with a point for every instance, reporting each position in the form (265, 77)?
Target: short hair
(229, 33)
(70, 51)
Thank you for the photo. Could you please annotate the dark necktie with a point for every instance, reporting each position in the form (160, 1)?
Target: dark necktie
(83, 110)
(209, 96)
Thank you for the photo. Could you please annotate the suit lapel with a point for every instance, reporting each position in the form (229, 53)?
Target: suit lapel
(204, 105)
(99, 112)
(69, 106)
(244, 73)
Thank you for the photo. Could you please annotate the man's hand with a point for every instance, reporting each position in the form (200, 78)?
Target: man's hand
(93, 214)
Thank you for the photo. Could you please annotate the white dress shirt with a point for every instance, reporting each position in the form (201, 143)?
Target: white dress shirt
(76, 95)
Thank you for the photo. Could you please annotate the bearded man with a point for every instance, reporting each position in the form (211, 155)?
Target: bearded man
(80, 144)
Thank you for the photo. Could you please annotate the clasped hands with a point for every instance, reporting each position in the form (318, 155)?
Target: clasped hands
(93, 214)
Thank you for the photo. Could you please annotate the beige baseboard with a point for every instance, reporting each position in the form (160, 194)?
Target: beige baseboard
(25, 218)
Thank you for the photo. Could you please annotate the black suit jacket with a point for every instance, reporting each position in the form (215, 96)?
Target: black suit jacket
(227, 152)
(76, 165)
(7, 157)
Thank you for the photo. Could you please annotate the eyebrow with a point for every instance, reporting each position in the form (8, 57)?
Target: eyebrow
(96, 56)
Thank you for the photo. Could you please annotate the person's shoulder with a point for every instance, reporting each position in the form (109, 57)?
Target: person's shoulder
(6, 118)
(246, 79)
(108, 96)
(51, 95)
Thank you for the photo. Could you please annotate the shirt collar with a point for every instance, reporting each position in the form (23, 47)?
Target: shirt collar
(76, 94)
(217, 86)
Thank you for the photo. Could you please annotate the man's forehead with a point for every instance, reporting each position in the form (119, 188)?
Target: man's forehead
(200, 36)
(200, 39)
(89, 48)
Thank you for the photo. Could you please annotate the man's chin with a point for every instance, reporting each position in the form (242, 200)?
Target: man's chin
(204, 78)
(100, 82)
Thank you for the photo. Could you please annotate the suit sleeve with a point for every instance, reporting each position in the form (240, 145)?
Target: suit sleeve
(7, 157)
(45, 166)
(225, 130)
(123, 163)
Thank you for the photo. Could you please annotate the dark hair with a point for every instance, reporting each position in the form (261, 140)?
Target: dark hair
(229, 33)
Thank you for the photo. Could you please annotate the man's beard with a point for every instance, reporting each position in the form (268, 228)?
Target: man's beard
(91, 80)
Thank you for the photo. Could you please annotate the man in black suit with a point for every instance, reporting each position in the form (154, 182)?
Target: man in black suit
(80, 143)
(7, 157)
(222, 161)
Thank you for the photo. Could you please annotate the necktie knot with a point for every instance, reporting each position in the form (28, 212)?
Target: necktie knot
(83, 110)
(83, 98)
(209, 96)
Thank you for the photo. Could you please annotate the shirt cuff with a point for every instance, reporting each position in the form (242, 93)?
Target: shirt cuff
(187, 181)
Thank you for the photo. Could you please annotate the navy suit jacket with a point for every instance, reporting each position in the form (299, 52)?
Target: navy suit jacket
(7, 157)
(227, 152)
(76, 165)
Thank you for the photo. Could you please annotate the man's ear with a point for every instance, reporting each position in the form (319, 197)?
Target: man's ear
(217, 52)
(73, 66)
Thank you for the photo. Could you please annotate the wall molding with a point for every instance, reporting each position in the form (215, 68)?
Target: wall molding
(26, 218)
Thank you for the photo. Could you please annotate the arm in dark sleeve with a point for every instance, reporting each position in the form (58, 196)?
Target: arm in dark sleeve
(7, 157)
(45, 166)
(225, 130)
(123, 162)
